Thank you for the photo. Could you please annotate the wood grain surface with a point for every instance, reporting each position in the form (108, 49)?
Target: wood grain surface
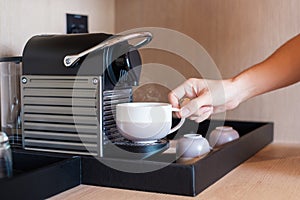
(273, 173)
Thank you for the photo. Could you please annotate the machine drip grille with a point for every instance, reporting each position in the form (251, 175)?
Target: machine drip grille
(110, 99)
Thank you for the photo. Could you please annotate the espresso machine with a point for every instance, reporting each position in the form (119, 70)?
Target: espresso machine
(70, 85)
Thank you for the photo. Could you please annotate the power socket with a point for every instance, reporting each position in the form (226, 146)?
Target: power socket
(77, 23)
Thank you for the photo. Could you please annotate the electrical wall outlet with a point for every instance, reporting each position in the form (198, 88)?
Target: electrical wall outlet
(77, 23)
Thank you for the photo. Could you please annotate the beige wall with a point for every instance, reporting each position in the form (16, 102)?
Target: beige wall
(237, 34)
(21, 19)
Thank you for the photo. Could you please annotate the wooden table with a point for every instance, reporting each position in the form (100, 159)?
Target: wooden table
(273, 173)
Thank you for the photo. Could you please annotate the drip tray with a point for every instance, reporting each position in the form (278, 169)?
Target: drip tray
(126, 149)
(143, 147)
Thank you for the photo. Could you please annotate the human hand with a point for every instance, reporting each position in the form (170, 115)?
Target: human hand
(199, 98)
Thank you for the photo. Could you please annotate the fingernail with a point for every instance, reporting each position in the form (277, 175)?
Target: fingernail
(184, 112)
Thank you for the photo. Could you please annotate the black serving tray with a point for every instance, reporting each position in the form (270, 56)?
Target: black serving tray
(180, 178)
(39, 175)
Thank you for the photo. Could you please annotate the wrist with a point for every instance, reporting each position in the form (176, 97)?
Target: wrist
(243, 91)
(234, 93)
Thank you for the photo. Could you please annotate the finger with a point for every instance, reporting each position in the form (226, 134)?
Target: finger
(176, 115)
(204, 116)
(204, 113)
(180, 91)
(181, 103)
(173, 99)
(219, 109)
(194, 105)
(187, 89)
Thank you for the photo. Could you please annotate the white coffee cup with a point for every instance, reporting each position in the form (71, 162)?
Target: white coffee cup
(145, 121)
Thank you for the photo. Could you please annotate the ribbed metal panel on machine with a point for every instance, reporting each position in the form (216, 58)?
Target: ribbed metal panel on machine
(61, 114)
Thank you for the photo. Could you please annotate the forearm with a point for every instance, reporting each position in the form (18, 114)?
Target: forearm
(279, 70)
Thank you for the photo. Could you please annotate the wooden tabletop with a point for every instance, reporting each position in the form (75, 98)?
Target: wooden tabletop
(273, 173)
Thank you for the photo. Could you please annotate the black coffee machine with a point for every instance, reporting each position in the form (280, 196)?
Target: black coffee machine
(70, 85)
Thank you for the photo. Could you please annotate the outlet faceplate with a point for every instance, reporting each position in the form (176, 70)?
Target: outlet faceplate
(77, 23)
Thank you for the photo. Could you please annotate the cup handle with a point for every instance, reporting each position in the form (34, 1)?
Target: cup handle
(179, 124)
